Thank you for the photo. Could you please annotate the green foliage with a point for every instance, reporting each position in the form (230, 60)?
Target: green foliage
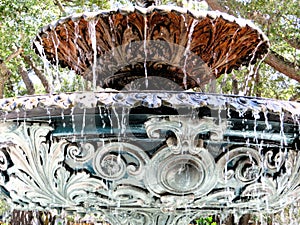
(280, 21)
(78, 6)
(4, 207)
(19, 22)
(205, 221)
(263, 82)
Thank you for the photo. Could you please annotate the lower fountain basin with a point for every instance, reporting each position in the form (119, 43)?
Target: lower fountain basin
(181, 153)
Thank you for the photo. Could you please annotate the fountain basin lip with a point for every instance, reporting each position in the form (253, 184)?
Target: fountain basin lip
(12, 108)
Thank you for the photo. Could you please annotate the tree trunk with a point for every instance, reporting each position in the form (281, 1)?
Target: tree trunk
(229, 220)
(21, 217)
(38, 73)
(26, 79)
(31, 218)
(4, 71)
(4, 75)
(244, 220)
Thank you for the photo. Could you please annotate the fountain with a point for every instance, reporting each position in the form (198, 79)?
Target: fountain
(142, 144)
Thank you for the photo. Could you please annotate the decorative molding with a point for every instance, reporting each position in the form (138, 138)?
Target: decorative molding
(177, 100)
(148, 217)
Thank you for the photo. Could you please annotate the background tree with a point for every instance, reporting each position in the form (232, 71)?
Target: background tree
(19, 22)
(280, 21)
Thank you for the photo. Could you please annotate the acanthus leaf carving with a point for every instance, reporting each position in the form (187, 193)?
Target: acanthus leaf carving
(37, 175)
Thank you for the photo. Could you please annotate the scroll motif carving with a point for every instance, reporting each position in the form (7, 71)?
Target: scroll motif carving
(243, 163)
(186, 130)
(76, 155)
(110, 164)
(146, 217)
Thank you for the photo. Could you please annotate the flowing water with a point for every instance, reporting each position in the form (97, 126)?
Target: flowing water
(113, 122)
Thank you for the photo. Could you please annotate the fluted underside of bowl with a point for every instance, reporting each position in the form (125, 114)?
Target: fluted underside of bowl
(187, 46)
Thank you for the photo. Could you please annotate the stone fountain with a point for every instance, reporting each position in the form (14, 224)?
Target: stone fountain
(142, 146)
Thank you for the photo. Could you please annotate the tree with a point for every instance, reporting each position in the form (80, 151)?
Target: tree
(280, 21)
(19, 22)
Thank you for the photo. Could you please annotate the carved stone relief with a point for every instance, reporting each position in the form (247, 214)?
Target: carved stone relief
(39, 171)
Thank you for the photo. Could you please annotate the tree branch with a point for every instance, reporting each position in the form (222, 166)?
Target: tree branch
(13, 55)
(60, 6)
(295, 43)
(273, 59)
(214, 5)
(4, 71)
(37, 72)
(282, 65)
(26, 79)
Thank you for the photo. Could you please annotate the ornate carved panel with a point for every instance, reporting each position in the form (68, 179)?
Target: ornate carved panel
(39, 170)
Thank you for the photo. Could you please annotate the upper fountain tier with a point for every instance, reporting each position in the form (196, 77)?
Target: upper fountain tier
(188, 47)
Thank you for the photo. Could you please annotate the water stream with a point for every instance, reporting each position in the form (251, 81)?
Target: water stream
(164, 155)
